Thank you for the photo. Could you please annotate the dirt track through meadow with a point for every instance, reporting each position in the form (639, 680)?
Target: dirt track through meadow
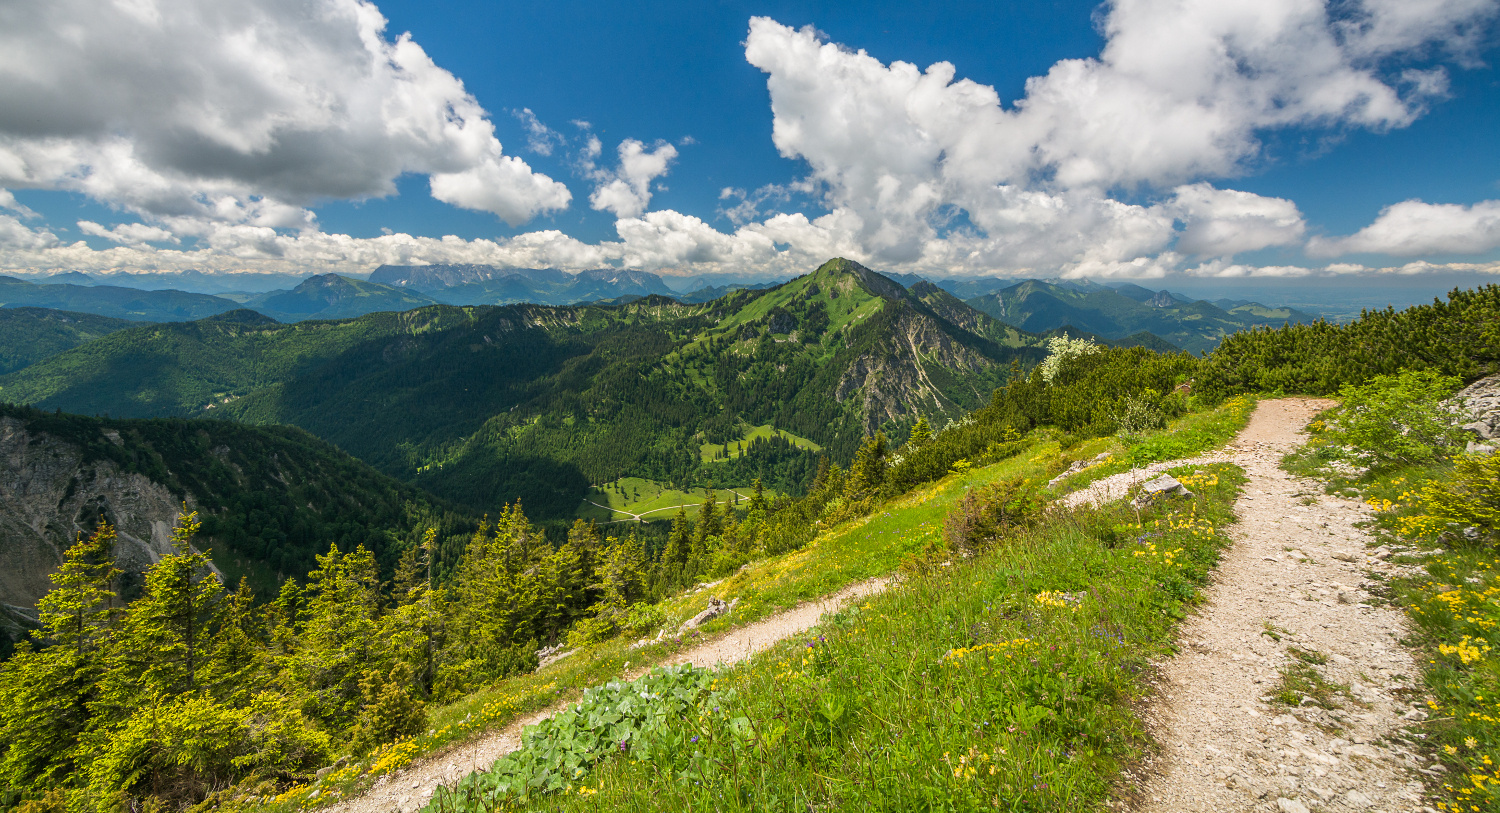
(1294, 577)
(411, 788)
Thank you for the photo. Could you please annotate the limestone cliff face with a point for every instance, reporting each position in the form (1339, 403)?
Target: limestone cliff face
(914, 368)
(49, 494)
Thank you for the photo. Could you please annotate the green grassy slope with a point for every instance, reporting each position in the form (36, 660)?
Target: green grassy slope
(28, 335)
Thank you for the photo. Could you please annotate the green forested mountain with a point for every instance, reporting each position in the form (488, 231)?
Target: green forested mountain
(331, 296)
(28, 335)
(1195, 326)
(111, 300)
(192, 368)
(487, 404)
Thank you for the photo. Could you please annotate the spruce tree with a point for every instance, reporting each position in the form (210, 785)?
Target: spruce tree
(340, 634)
(920, 433)
(45, 695)
(674, 556)
(867, 472)
(163, 646)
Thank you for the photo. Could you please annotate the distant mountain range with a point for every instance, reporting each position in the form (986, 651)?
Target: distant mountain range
(1123, 313)
(191, 281)
(1127, 310)
(489, 285)
(112, 300)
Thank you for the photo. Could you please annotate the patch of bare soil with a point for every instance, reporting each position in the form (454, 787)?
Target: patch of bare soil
(1290, 595)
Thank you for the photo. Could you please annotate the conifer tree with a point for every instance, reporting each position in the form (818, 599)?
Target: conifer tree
(279, 618)
(45, 695)
(867, 472)
(237, 661)
(621, 572)
(75, 613)
(164, 644)
(709, 526)
(340, 634)
(920, 433)
(674, 556)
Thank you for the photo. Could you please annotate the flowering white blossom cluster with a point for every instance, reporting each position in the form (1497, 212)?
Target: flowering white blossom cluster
(1060, 349)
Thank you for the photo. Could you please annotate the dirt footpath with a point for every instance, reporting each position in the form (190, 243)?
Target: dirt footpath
(410, 789)
(1294, 578)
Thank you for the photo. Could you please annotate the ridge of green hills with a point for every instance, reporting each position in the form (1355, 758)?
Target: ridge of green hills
(112, 300)
(28, 335)
(1193, 325)
(486, 404)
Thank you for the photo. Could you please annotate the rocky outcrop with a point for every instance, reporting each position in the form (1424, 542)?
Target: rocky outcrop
(910, 370)
(50, 493)
(1163, 299)
(1478, 409)
(716, 608)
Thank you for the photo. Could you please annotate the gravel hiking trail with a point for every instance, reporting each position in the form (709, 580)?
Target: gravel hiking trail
(1290, 592)
(410, 788)
(1293, 582)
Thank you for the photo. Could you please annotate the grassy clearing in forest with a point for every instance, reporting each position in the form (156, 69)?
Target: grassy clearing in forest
(712, 452)
(628, 497)
(1005, 681)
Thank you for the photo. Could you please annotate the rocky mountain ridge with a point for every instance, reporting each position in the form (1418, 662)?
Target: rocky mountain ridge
(51, 493)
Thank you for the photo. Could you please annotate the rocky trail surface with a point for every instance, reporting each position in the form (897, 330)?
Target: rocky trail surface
(411, 788)
(1291, 591)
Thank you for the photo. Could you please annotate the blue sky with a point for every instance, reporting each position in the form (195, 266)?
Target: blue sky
(1192, 139)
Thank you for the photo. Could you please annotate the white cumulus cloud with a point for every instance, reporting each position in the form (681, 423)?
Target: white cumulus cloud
(1411, 228)
(132, 234)
(1223, 222)
(1182, 91)
(168, 108)
(627, 191)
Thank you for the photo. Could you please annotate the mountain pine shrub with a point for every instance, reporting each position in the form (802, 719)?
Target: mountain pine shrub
(1469, 498)
(1397, 419)
(986, 513)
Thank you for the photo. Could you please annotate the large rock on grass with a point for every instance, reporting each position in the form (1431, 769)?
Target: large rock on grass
(1159, 489)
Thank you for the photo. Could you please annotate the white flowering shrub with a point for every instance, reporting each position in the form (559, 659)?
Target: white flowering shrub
(1060, 349)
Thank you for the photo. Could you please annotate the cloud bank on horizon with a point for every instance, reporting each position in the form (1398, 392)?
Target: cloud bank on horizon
(221, 127)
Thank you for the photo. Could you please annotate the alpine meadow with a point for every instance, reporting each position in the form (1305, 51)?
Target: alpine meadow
(477, 408)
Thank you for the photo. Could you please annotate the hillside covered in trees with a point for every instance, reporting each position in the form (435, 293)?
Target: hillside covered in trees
(270, 498)
(484, 405)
